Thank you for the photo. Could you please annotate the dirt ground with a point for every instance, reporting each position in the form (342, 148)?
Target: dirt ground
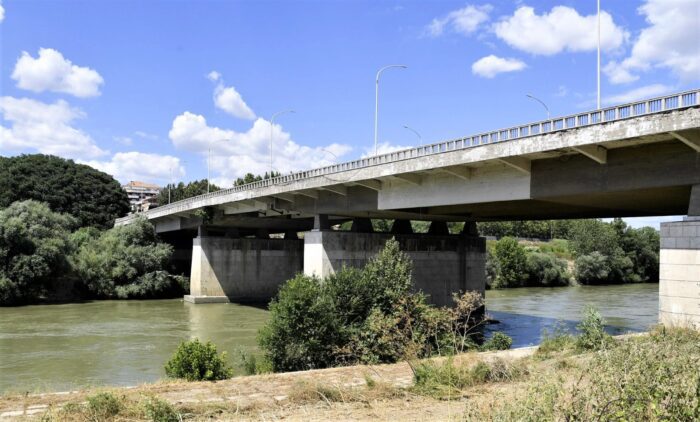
(282, 396)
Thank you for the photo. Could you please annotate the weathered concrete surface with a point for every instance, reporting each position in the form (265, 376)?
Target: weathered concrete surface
(679, 278)
(241, 270)
(441, 264)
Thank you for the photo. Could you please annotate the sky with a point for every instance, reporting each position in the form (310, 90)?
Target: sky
(154, 90)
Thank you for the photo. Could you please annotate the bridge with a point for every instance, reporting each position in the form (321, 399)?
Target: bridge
(636, 159)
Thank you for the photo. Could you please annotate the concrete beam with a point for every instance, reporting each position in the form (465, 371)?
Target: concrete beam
(411, 178)
(284, 196)
(463, 172)
(370, 184)
(337, 189)
(519, 163)
(307, 192)
(596, 153)
(693, 143)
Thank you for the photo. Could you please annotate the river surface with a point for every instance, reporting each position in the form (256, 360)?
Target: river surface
(62, 347)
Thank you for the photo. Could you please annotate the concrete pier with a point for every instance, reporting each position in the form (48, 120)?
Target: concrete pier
(241, 270)
(442, 264)
(679, 279)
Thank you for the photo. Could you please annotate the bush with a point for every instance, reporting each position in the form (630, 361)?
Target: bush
(195, 361)
(158, 410)
(33, 249)
(498, 341)
(546, 270)
(126, 261)
(512, 263)
(592, 268)
(369, 316)
(103, 405)
(592, 331)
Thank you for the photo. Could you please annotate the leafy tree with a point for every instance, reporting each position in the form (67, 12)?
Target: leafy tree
(94, 198)
(196, 361)
(33, 249)
(183, 191)
(546, 270)
(125, 261)
(512, 263)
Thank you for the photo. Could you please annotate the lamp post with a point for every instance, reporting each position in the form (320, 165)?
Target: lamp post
(272, 124)
(598, 67)
(420, 138)
(539, 101)
(376, 100)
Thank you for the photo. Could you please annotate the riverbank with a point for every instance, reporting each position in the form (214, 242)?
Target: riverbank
(659, 373)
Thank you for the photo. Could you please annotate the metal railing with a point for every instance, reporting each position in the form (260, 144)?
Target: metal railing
(610, 114)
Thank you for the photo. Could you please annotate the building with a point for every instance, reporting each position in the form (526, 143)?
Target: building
(142, 196)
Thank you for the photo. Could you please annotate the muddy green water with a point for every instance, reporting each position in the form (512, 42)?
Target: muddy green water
(62, 347)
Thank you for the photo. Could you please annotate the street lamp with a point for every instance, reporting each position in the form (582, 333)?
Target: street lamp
(598, 70)
(209, 160)
(272, 123)
(420, 138)
(376, 99)
(539, 101)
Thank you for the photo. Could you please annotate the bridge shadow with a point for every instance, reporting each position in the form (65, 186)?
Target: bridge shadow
(529, 330)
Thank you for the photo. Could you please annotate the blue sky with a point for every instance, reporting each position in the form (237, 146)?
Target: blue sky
(143, 89)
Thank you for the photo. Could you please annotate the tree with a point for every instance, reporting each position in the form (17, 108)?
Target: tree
(94, 198)
(512, 263)
(183, 191)
(33, 249)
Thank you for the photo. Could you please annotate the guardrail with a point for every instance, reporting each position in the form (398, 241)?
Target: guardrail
(625, 111)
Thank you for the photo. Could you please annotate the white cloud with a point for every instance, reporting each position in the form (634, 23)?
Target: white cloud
(464, 21)
(50, 71)
(124, 140)
(638, 94)
(560, 29)
(133, 165)
(2, 12)
(46, 128)
(228, 99)
(671, 41)
(145, 135)
(236, 153)
(490, 66)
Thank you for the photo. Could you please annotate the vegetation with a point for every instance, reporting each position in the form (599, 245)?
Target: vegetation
(103, 405)
(94, 198)
(592, 331)
(364, 316)
(125, 262)
(512, 263)
(196, 361)
(180, 191)
(34, 248)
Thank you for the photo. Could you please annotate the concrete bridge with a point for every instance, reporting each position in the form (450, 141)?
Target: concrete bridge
(637, 159)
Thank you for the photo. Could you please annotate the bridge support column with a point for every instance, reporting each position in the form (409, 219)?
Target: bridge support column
(441, 264)
(679, 273)
(241, 270)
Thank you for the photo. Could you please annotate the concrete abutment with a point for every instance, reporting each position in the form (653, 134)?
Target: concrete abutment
(679, 273)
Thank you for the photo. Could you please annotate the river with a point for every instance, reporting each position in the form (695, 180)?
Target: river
(62, 347)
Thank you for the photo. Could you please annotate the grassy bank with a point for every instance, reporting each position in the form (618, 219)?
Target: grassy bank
(647, 377)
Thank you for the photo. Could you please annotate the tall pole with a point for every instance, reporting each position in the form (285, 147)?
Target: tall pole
(272, 124)
(376, 100)
(598, 70)
(539, 101)
(420, 138)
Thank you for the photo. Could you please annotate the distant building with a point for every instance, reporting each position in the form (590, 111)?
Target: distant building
(142, 196)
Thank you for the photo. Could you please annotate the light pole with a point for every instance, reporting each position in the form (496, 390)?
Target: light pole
(376, 99)
(598, 69)
(272, 124)
(420, 138)
(539, 101)
(209, 160)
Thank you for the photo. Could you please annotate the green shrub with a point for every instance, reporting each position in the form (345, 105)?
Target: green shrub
(33, 249)
(498, 341)
(254, 365)
(158, 410)
(592, 268)
(546, 270)
(196, 361)
(512, 263)
(592, 331)
(126, 261)
(555, 341)
(103, 405)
